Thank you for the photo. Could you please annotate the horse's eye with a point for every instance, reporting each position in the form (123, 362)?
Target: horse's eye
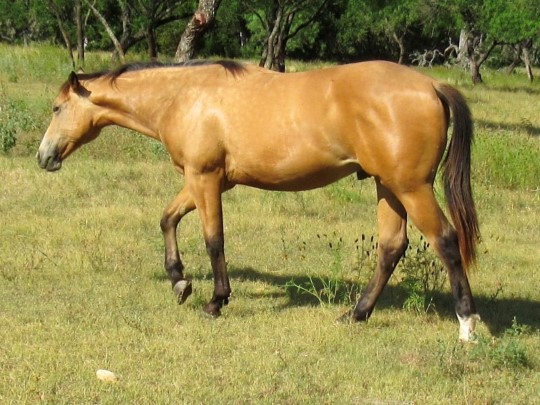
(56, 109)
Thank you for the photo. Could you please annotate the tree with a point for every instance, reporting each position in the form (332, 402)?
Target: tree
(282, 20)
(202, 18)
(395, 19)
(354, 27)
(146, 16)
(79, 23)
(470, 19)
(14, 22)
(120, 48)
(156, 13)
(341, 30)
(228, 34)
(516, 24)
(61, 12)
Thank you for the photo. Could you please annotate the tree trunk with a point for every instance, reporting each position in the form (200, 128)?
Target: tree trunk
(201, 20)
(274, 53)
(126, 30)
(279, 31)
(515, 60)
(269, 55)
(108, 29)
(80, 32)
(526, 58)
(65, 36)
(400, 41)
(476, 55)
(152, 42)
(463, 48)
(281, 46)
(474, 70)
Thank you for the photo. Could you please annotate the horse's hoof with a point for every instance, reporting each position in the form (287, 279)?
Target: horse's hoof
(182, 289)
(467, 325)
(212, 309)
(352, 317)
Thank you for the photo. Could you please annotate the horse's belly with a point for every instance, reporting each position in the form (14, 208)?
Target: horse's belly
(292, 176)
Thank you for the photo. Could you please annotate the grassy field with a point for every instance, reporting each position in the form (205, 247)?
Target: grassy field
(82, 285)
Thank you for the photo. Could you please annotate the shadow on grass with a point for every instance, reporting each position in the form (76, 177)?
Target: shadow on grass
(525, 126)
(516, 89)
(496, 313)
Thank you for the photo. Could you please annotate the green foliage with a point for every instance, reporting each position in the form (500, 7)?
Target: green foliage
(353, 28)
(14, 118)
(24, 21)
(512, 21)
(504, 159)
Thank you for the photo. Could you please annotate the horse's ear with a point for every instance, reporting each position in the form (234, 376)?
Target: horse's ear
(73, 81)
(76, 85)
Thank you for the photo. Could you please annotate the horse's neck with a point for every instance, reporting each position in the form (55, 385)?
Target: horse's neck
(126, 107)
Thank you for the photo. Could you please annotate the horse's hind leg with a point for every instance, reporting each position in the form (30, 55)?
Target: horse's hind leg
(180, 206)
(426, 214)
(392, 243)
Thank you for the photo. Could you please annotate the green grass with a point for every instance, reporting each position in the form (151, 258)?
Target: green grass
(82, 285)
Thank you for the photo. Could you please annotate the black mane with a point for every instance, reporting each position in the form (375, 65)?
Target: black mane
(233, 67)
(229, 65)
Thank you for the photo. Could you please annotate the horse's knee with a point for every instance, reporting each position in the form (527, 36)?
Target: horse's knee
(392, 249)
(166, 222)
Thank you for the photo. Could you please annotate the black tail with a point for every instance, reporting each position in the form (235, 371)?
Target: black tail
(457, 174)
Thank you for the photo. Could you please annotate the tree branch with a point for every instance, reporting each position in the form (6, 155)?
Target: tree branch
(307, 22)
(484, 57)
(109, 31)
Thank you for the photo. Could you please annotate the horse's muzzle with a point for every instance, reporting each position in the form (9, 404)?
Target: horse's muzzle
(49, 161)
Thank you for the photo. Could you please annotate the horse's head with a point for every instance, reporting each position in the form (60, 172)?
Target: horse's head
(73, 124)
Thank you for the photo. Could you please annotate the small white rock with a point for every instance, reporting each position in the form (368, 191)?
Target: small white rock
(106, 375)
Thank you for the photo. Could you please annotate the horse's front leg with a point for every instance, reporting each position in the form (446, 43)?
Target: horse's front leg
(180, 206)
(206, 189)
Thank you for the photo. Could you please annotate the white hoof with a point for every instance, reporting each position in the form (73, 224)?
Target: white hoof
(182, 289)
(467, 326)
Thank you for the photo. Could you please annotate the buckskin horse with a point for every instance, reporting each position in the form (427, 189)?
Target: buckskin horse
(226, 123)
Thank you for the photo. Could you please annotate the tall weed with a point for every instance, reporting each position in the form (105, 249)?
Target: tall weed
(423, 273)
(339, 284)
